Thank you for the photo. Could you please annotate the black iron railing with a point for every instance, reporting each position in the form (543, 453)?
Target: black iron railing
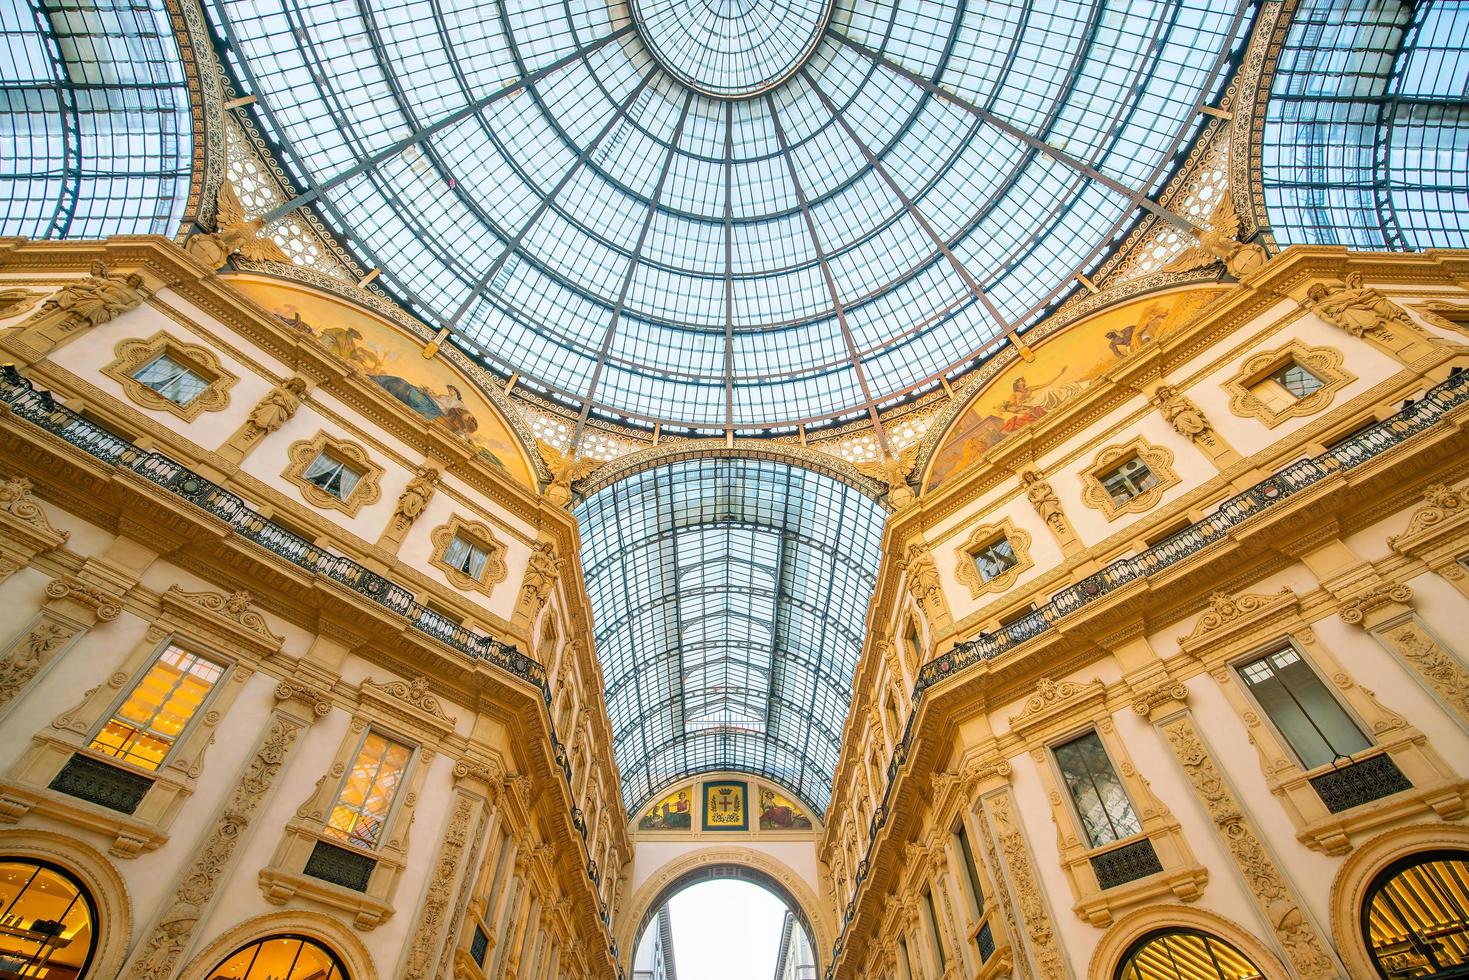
(40, 409)
(1348, 454)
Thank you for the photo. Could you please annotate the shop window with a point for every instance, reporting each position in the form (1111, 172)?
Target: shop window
(1106, 813)
(282, 958)
(1185, 955)
(1416, 917)
(46, 922)
(366, 797)
(153, 716)
(1312, 722)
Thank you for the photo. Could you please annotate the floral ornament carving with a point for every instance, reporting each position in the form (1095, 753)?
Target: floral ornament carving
(15, 302)
(100, 298)
(1323, 362)
(107, 606)
(892, 471)
(1164, 692)
(489, 773)
(1440, 502)
(1302, 945)
(1443, 672)
(163, 947)
(234, 234)
(1224, 609)
(16, 500)
(29, 654)
(431, 919)
(317, 701)
(132, 355)
(1050, 695)
(414, 692)
(967, 569)
(1353, 306)
(1027, 893)
(235, 607)
(1355, 610)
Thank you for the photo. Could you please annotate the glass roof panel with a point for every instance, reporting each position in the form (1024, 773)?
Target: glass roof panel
(727, 215)
(729, 597)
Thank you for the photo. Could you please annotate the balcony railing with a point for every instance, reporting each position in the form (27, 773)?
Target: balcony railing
(40, 409)
(1346, 455)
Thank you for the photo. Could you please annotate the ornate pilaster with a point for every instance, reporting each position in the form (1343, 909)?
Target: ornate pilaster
(72, 607)
(426, 947)
(1036, 923)
(1385, 611)
(1272, 893)
(1189, 421)
(274, 410)
(160, 952)
(1042, 497)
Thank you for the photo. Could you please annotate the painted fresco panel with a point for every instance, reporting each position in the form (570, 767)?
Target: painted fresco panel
(777, 812)
(673, 812)
(725, 806)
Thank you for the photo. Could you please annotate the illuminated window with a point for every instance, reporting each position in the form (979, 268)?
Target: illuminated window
(367, 793)
(1316, 726)
(332, 475)
(995, 559)
(1185, 955)
(466, 556)
(47, 921)
(1416, 919)
(1102, 804)
(282, 958)
(172, 380)
(1128, 480)
(158, 709)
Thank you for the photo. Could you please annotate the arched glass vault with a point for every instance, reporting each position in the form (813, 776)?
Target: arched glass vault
(96, 128)
(729, 597)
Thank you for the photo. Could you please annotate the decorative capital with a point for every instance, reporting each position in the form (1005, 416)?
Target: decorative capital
(107, 606)
(1354, 611)
(317, 701)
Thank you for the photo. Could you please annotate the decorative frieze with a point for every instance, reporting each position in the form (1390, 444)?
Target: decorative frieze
(73, 309)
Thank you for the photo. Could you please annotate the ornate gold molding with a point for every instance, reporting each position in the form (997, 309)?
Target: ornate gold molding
(966, 570)
(1159, 461)
(495, 570)
(303, 453)
(134, 354)
(1323, 362)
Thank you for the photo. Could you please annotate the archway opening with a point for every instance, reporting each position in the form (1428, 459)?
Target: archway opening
(281, 958)
(47, 922)
(1185, 954)
(724, 923)
(1416, 917)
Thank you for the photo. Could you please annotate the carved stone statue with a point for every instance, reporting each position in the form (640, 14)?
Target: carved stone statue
(1356, 308)
(1043, 498)
(1218, 241)
(98, 299)
(565, 470)
(1186, 418)
(415, 496)
(235, 234)
(923, 578)
(892, 471)
(278, 405)
(540, 577)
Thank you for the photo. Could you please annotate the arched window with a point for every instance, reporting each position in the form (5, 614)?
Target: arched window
(282, 958)
(46, 921)
(1182, 954)
(1416, 917)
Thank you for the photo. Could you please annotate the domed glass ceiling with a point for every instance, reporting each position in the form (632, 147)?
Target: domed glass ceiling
(728, 213)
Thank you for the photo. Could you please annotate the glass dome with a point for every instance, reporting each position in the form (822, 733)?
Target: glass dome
(732, 214)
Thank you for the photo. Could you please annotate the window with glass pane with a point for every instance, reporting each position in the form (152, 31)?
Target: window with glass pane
(1296, 380)
(466, 556)
(1179, 954)
(367, 793)
(1128, 480)
(971, 873)
(995, 559)
(933, 929)
(172, 380)
(282, 958)
(159, 707)
(1316, 726)
(904, 963)
(1102, 804)
(915, 643)
(332, 475)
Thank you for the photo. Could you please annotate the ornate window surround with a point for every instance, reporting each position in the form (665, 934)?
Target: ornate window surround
(134, 353)
(1237, 628)
(303, 453)
(478, 533)
(982, 536)
(1058, 712)
(407, 712)
(1323, 362)
(225, 629)
(1159, 460)
(953, 809)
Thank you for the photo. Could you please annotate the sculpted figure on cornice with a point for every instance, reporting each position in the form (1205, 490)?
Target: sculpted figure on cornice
(1357, 308)
(278, 406)
(235, 234)
(565, 470)
(1219, 242)
(98, 299)
(892, 471)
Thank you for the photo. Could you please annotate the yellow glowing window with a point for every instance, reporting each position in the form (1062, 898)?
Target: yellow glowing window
(158, 708)
(367, 793)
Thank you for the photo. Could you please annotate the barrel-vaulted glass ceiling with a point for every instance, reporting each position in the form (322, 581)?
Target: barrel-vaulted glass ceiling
(729, 597)
(736, 214)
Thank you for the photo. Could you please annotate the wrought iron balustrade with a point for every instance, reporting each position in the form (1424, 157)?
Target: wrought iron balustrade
(39, 408)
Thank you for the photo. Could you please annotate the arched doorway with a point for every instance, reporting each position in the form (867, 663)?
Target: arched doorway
(1185, 954)
(281, 958)
(1415, 919)
(47, 921)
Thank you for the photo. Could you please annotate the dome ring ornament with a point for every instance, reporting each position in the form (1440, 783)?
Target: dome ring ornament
(731, 49)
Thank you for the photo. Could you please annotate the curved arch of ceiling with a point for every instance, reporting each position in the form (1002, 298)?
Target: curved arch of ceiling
(729, 598)
(586, 209)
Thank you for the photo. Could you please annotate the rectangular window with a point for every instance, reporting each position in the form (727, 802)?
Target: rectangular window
(1296, 380)
(466, 556)
(171, 379)
(366, 796)
(971, 873)
(915, 644)
(1305, 713)
(933, 930)
(154, 714)
(905, 965)
(1130, 479)
(332, 475)
(995, 559)
(1102, 804)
